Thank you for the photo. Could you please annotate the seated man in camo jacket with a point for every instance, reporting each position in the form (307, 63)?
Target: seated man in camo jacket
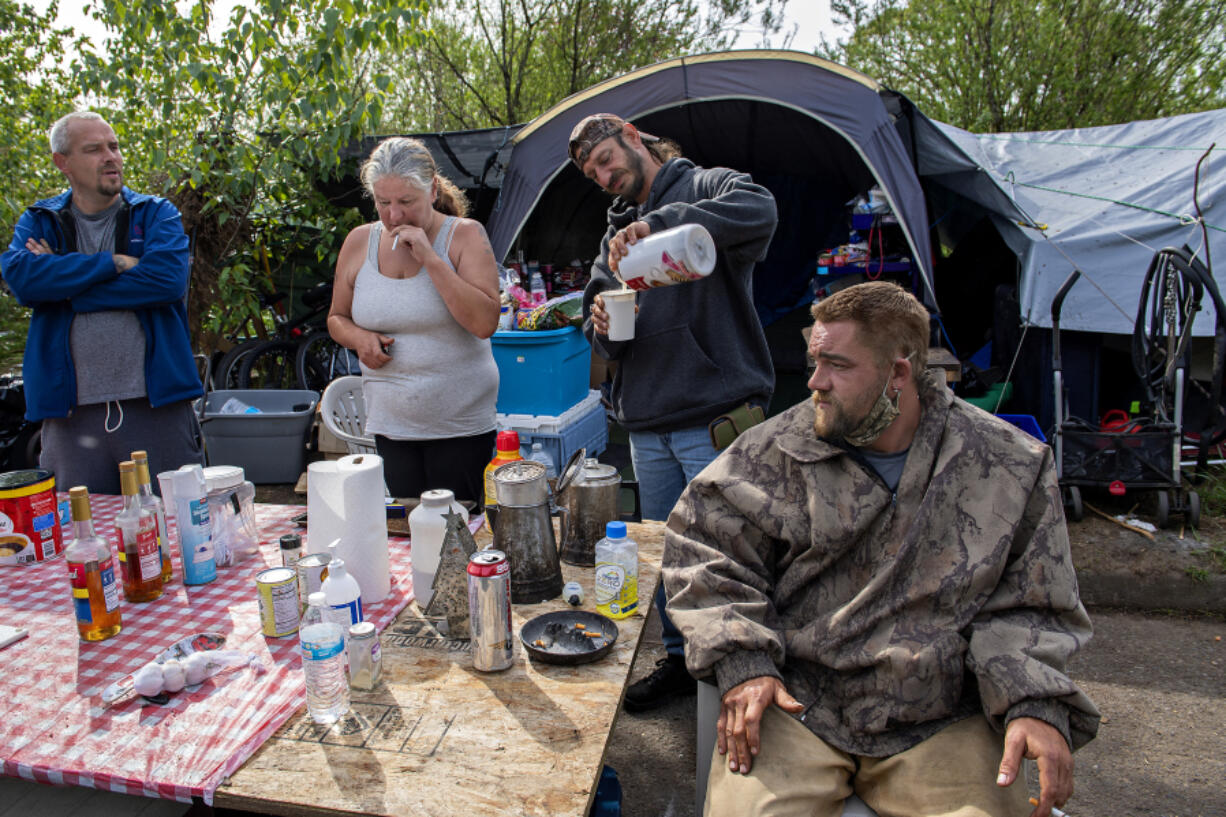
(879, 582)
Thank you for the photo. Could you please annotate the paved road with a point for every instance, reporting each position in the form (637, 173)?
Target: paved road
(1159, 680)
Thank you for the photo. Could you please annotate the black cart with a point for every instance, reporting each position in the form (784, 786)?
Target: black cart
(1144, 453)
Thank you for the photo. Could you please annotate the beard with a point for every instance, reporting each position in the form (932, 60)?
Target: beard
(835, 419)
(110, 185)
(634, 169)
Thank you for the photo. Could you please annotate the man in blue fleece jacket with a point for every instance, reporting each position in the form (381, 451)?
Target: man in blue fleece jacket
(108, 359)
(698, 349)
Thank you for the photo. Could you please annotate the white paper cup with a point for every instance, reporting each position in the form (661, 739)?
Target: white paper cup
(619, 304)
(166, 483)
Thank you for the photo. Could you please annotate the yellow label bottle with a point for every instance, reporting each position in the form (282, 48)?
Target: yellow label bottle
(617, 573)
(507, 451)
(91, 572)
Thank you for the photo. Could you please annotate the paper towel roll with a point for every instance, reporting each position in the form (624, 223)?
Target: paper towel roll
(345, 501)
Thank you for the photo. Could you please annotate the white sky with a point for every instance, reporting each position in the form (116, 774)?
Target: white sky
(811, 18)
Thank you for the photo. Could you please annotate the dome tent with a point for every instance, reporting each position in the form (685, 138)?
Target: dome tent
(815, 133)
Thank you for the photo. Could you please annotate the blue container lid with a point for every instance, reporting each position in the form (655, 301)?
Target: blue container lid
(615, 530)
(531, 335)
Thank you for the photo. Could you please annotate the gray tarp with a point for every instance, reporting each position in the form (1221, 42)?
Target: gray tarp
(1104, 199)
(777, 113)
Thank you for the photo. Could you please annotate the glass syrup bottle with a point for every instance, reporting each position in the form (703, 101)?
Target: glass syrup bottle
(91, 571)
(152, 503)
(136, 534)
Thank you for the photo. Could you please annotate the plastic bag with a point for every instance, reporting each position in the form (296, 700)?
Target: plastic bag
(557, 313)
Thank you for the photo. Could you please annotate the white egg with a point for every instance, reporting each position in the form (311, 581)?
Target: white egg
(195, 667)
(148, 680)
(174, 677)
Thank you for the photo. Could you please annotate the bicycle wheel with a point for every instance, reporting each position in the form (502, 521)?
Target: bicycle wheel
(320, 360)
(271, 366)
(226, 374)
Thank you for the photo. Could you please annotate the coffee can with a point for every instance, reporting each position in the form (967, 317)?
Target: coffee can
(277, 588)
(312, 570)
(489, 608)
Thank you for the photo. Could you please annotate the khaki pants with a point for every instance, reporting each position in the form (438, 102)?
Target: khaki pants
(797, 774)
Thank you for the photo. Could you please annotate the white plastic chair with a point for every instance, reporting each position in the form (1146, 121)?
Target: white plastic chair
(708, 714)
(343, 410)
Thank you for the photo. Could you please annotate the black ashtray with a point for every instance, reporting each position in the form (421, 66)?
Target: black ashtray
(568, 637)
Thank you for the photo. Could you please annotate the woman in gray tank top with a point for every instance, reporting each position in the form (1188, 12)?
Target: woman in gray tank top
(416, 297)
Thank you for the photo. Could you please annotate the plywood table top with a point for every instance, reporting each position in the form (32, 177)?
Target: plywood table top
(437, 737)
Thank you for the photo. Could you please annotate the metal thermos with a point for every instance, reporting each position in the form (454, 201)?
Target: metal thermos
(524, 531)
(591, 501)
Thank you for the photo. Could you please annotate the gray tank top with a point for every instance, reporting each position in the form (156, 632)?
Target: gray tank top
(442, 380)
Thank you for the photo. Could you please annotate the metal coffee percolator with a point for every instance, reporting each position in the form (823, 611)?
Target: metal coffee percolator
(591, 501)
(524, 531)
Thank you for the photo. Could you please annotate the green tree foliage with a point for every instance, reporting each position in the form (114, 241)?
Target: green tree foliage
(499, 62)
(233, 126)
(36, 89)
(1009, 65)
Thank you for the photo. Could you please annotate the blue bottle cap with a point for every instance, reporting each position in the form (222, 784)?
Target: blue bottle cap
(615, 530)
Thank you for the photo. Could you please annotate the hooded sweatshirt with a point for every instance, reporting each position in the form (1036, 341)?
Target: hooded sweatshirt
(698, 348)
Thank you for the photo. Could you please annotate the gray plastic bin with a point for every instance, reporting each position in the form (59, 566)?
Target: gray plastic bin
(269, 446)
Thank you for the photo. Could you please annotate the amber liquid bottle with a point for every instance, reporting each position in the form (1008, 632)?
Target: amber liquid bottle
(137, 537)
(91, 571)
(150, 502)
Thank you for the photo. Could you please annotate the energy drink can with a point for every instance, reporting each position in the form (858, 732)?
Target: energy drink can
(312, 570)
(489, 605)
(277, 588)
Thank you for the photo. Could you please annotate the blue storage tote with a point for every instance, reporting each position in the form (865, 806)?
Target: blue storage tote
(268, 444)
(583, 425)
(1026, 423)
(543, 372)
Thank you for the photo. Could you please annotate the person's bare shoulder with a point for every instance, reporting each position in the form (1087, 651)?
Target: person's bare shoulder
(353, 250)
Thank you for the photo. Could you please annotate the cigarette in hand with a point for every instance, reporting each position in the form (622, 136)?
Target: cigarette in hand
(1055, 812)
(395, 241)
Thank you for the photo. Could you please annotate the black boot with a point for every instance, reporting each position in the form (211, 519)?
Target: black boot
(669, 680)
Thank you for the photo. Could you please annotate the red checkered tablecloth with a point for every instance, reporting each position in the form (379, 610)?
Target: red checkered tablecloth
(53, 725)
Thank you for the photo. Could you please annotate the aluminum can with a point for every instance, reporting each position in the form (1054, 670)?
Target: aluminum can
(277, 588)
(489, 607)
(312, 570)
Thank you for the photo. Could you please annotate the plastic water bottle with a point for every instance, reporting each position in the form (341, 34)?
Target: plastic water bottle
(342, 594)
(323, 662)
(537, 283)
(538, 455)
(617, 572)
(236, 406)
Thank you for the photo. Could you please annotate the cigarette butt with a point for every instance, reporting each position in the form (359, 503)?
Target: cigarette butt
(593, 635)
(580, 626)
(395, 240)
(1055, 812)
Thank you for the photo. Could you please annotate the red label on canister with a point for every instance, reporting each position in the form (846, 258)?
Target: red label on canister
(29, 518)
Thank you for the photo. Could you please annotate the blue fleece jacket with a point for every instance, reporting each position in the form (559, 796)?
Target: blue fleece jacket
(58, 287)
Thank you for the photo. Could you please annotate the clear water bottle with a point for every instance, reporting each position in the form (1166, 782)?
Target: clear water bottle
(323, 662)
(538, 455)
(536, 283)
(616, 577)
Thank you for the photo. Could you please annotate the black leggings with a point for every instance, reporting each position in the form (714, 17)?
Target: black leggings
(455, 463)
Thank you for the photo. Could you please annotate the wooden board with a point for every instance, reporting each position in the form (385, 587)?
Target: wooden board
(438, 738)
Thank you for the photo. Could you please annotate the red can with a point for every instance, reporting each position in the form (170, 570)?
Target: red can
(489, 610)
(29, 517)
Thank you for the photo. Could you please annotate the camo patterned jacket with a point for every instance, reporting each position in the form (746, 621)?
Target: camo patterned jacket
(889, 615)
